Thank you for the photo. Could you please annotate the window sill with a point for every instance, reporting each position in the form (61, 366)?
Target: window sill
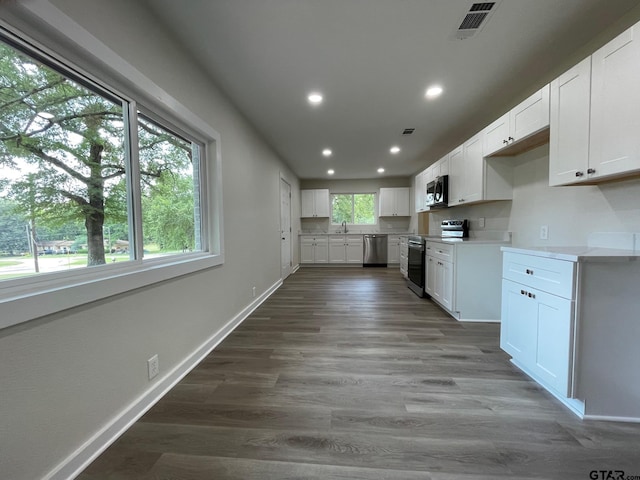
(52, 296)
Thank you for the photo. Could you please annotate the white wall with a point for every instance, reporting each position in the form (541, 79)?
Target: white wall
(64, 377)
(571, 213)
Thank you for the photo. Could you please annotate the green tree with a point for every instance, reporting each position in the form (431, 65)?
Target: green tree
(13, 229)
(69, 142)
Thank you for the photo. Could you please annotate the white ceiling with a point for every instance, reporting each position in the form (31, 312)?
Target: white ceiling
(373, 60)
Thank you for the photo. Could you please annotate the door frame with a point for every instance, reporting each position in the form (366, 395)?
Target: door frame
(285, 272)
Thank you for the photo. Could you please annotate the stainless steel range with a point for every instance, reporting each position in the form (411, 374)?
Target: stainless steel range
(455, 228)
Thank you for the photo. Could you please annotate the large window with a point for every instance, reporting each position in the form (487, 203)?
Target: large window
(353, 208)
(90, 179)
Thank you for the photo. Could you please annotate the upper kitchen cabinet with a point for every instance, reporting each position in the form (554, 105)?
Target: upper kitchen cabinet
(614, 146)
(595, 115)
(314, 203)
(523, 128)
(421, 191)
(474, 179)
(569, 125)
(394, 202)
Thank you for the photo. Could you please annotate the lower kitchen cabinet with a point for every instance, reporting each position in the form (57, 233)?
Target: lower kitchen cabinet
(569, 321)
(393, 249)
(404, 256)
(314, 249)
(465, 278)
(345, 249)
(537, 331)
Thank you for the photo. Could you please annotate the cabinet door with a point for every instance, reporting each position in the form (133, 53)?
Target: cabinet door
(430, 275)
(337, 249)
(530, 116)
(321, 252)
(393, 252)
(420, 192)
(495, 136)
(307, 203)
(456, 176)
(447, 285)
(518, 324)
(402, 201)
(443, 163)
(569, 125)
(354, 248)
(387, 202)
(321, 196)
(555, 341)
(615, 106)
(307, 246)
(473, 170)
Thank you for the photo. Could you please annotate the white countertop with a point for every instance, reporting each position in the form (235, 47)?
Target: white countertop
(578, 253)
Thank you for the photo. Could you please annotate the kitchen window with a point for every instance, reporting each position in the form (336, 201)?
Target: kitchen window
(353, 208)
(98, 194)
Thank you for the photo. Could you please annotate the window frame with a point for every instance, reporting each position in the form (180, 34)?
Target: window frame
(353, 194)
(27, 298)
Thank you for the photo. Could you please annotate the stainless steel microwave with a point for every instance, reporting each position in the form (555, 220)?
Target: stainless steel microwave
(438, 192)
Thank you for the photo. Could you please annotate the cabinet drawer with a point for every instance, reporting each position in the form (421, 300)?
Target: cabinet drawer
(442, 251)
(354, 239)
(546, 274)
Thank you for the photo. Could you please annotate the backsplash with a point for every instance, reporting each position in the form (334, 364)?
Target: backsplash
(571, 213)
(385, 225)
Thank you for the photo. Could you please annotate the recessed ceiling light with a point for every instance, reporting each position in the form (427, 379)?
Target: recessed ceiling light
(395, 149)
(331, 171)
(381, 170)
(327, 152)
(433, 91)
(315, 98)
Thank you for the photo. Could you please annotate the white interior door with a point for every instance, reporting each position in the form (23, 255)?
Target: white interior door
(285, 228)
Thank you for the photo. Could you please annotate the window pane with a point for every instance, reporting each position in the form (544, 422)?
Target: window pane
(63, 169)
(364, 208)
(169, 175)
(341, 208)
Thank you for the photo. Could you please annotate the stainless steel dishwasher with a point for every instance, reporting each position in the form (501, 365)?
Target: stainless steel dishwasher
(375, 250)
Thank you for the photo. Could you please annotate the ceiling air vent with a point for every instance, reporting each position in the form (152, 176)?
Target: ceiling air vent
(475, 19)
(408, 131)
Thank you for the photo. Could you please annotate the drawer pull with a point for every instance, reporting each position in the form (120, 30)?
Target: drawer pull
(531, 295)
(529, 272)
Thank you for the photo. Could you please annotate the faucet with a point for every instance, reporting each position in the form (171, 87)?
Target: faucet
(344, 225)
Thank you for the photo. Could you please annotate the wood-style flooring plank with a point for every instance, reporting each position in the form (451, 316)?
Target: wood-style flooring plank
(344, 373)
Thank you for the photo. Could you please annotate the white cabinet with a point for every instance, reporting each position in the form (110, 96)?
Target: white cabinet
(518, 125)
(404, 256)
(420, 192)
(615, 106)
(466, 172)
(314, 249)
(465, 278)
(474, 179)
(538, 326)
(569, 125)
(345, 249)
(393, 249)
(314, 203)
(570, 322)
(595, 115)
(394, 202)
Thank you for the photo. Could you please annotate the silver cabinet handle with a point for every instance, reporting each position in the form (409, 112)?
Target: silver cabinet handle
(579, 174)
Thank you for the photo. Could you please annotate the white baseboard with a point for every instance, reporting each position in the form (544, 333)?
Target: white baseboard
(73, 465)
(609, 418)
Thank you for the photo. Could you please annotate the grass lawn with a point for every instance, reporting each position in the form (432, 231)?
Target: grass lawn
(9, 263)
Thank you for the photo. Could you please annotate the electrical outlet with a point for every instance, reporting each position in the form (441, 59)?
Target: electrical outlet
(544, 232)
(481, 222)
(254, 292)
(153, 365)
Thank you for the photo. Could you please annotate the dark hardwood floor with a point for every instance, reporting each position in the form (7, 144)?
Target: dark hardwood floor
(344, 373)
